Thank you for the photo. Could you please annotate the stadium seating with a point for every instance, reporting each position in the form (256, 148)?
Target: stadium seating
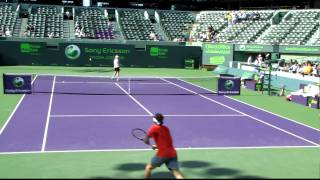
(8, 17)
(95, 24)
(45, 21)
(176, 24)
(255, 28)
(209, 18)
(135, 25)
(293, 27)
(306, 26)
(228, 34)
(296, 28)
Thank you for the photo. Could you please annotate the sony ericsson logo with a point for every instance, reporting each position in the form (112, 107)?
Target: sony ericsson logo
(72, 52)
(18, 82)
(228, 84)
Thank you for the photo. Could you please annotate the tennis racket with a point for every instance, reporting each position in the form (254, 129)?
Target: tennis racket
(140, 134)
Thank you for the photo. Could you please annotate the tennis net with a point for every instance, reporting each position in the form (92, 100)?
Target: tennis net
(105, 85)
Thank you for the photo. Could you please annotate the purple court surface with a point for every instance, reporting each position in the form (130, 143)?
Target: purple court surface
(44, 122)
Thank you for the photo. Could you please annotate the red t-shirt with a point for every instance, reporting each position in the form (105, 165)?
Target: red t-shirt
(163, 140)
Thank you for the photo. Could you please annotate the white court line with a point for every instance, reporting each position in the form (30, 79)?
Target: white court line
(254, 106)
(99, 82)
(138, 115)
(276, 127)
(135, 150)
(135, 100)
(44, 142)
(15, 109)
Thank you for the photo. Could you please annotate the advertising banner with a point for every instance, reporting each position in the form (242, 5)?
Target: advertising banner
(229, 85)
(17, 84)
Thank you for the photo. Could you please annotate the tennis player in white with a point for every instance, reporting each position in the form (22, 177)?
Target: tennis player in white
(116, 67)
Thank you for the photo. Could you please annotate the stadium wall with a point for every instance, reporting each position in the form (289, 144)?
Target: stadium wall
(95, 54)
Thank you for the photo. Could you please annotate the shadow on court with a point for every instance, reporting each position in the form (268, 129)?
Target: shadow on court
(100, 177)
(194, 164)
(207, 169)
(131, 167)
(222, 172)
(249, 177)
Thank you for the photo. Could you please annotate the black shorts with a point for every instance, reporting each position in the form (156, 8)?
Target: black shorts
(117, 69)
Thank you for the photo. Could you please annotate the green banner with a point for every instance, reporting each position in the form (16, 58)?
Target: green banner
(217, 54)
(254, 48)
(299, 49)
(96, 54)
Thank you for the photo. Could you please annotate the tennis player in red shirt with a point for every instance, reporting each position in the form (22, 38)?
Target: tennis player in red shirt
(166, 152)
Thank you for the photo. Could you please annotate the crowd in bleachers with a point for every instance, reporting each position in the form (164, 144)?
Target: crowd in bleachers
(304, 68)
(243, 26)
(79, 30)
(308, 68)
(208, 36)
(5, 32)
(236, 16)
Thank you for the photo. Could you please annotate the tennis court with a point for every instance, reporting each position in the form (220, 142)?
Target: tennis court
(79, 126)
(70, 113)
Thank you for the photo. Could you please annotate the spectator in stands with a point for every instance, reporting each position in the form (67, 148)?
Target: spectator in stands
(32, 28)
(242, 15)
(318, 69)
(293, 68)
(256, 62)
(307, 69)
(268, 57)
(77, 32)
(259, 60)
(300, 68)
(8, 32)
(315, 70)
(50, 35)
(175, 39)
(1, 32)
(106, 14)
(249, 60)
(152, 36)
(25, 33)
(68, 15)
(76, 25)
(202, 36)
(211, 34)
(234, 18)
(229, 17)
(82, 34)
(186, 35)
(250, 15)
(281, 64)
(256, 15)
(28, 27)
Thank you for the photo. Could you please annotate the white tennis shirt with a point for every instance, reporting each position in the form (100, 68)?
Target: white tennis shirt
(116, 63)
